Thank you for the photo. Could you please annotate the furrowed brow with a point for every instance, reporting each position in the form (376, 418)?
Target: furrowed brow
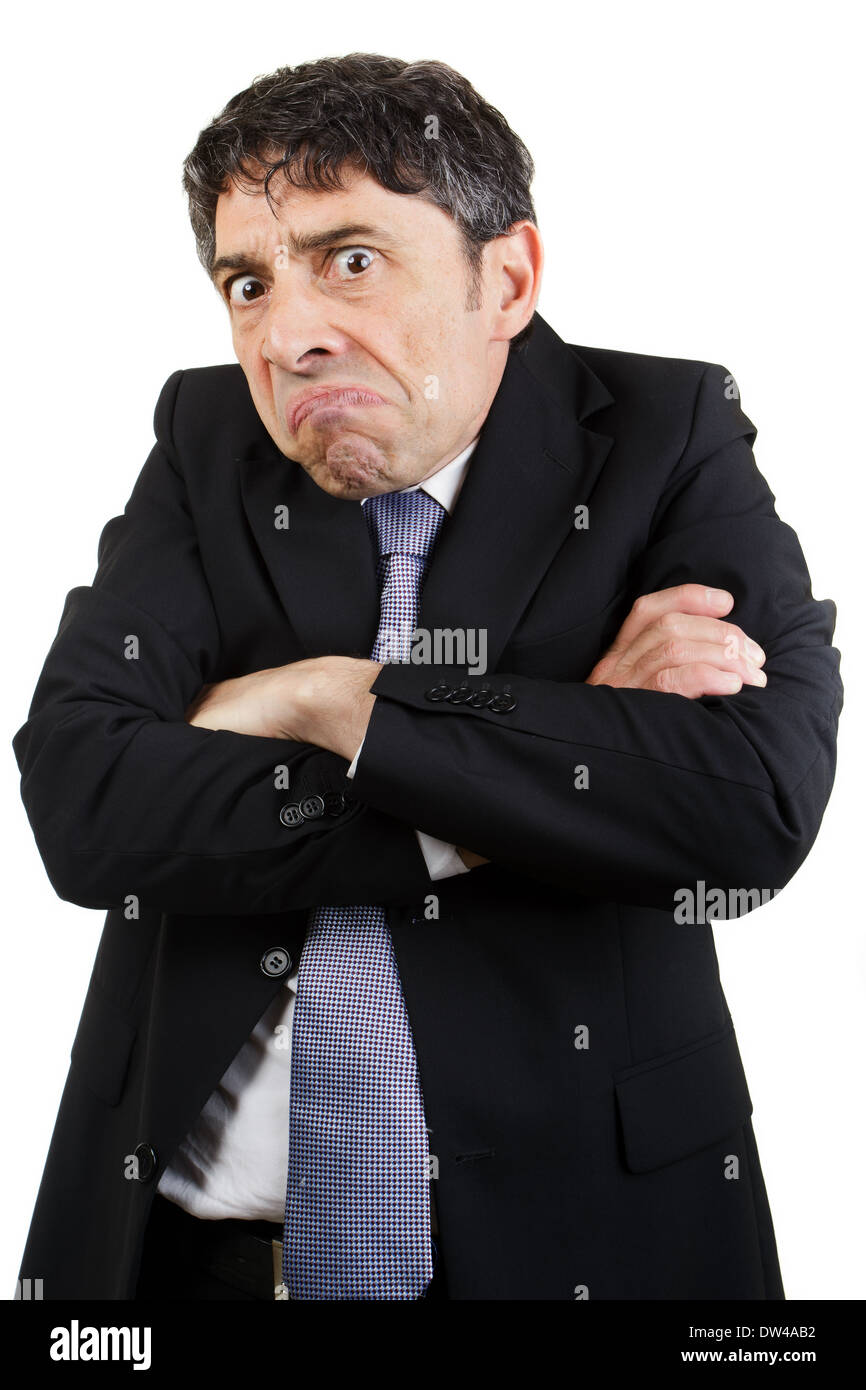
(303, 244)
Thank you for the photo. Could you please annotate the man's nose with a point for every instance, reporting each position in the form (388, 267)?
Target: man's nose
(300, 319)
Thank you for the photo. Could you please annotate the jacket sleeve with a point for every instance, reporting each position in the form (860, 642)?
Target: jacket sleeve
(728, 790)
(125, 798)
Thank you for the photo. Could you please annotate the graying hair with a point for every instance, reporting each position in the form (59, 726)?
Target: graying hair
(370, 113)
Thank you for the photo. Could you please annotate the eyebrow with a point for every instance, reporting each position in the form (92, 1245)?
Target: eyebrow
(303, 244)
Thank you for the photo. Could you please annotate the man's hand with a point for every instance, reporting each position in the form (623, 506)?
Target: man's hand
(252, 704)
(675, 641)
(324, 700)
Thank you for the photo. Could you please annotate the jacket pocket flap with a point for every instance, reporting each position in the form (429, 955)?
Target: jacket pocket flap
(681, 1102)
(102, 1046)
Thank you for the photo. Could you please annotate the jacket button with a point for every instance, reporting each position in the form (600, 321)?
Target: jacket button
(291, 815)
(482, 698)
(276, 961)
(312, 807)
(335, 803)
(438, 692)
(146, 1161)
(502, 704)
(460, 696)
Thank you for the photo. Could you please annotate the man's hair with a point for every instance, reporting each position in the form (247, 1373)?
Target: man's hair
(414, 127)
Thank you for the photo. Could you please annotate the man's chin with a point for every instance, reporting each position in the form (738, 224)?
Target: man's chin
(351, 468)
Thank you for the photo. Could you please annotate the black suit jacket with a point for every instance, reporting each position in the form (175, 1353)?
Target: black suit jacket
(564, 1169)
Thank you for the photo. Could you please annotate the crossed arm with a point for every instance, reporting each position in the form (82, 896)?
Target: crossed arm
(675, 641)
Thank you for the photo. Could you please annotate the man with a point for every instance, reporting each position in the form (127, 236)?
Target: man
(440, 685)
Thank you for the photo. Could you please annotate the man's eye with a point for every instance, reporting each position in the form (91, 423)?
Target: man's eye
(242, 289)
(353, 261)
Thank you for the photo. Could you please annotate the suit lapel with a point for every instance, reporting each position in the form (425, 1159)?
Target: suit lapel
(322, 566)
(534, 462)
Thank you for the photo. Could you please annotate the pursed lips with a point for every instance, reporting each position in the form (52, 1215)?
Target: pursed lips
(341, 395)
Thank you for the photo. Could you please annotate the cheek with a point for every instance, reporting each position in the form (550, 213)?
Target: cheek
(427, 357)
(261, 390)
(249, 355)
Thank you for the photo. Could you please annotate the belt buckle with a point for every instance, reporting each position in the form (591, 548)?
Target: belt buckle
(281, 1293)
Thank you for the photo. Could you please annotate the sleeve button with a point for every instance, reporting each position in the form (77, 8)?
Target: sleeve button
(461, 696)
(482, 698)
(146, 1162)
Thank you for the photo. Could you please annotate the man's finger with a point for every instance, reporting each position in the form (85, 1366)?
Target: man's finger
(675, 653)
(694, 681)
(682, 631)
(695, 599)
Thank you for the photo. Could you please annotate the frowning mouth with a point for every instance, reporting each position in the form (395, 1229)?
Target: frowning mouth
(333, 396)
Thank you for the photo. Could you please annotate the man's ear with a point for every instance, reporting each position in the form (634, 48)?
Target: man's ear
(517, 265)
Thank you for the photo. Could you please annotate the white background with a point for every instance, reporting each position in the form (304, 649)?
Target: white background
(699, 173)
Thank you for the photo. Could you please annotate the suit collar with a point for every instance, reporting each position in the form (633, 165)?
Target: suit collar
(533, 463)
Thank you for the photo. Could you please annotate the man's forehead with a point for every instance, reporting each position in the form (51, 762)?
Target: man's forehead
(289, 205)
(243, 213)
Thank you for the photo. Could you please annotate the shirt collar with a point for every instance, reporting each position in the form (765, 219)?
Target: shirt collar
(445, 484)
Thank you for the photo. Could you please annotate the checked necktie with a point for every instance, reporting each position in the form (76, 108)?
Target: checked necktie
(358, 1195)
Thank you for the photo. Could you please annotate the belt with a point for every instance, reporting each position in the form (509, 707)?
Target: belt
(246, 1255)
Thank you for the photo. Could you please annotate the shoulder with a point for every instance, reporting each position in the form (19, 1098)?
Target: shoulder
(693, 397)
(631, 376)
(204, 407)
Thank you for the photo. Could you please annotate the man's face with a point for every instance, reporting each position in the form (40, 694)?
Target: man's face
(381, 311)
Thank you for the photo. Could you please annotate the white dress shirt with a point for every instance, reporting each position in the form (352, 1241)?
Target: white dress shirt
(234, 1161)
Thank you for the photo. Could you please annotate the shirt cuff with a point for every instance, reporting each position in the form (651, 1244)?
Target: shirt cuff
(442, 860)
(354, 763)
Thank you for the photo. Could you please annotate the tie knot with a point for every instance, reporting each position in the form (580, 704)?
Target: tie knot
(404, 523)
